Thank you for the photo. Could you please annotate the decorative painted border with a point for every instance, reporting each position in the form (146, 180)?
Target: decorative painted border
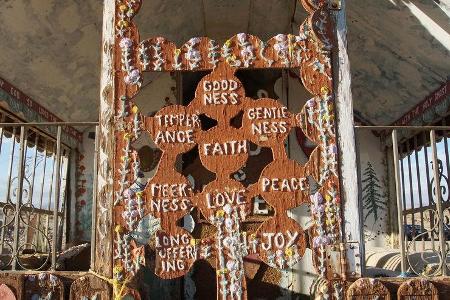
(418, 289)
(317, 120)
(368, 287)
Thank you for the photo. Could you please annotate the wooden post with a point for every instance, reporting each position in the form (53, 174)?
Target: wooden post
(103, 210)
(352, 231)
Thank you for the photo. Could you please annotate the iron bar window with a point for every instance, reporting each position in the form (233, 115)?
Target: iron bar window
(421, 169)
(33, 195)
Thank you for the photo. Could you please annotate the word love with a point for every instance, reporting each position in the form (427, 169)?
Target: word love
(279, 240)
(170, 197)
(220, 92)
(220, 199)
(283, 184)
(173, 250)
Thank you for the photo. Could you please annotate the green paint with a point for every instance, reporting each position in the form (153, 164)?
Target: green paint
(373, 202)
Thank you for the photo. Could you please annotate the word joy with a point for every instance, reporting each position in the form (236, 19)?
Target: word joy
(279, 240)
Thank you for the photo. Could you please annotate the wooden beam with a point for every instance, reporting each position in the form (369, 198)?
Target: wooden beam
(352, 227)
(103, 210)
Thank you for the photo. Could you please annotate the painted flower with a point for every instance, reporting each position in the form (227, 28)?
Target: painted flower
(234, 288)
(42, 276)
(280, 48)
(134, 214)
(227, 242)
(229, 223)
(302, 36)
(311, 102)
(227, 208)
(133, 77)
(247, 51)
(316, 241)
(242, 37)
(132, 202)
(317, 209)
(128, 193)
(231, 265)
(280, 37)
(193, 41)
(220, 213)
(193, 55)
(53, 280)
(299, 38)
(289, 252)
(125, 43)
(317, 198)
(334, 149)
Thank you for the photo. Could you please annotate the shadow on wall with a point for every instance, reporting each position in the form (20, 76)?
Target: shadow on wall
(399, 53)
(200, 283)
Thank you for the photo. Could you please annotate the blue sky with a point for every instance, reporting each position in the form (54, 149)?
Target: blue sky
(412, 195)
(5, 154)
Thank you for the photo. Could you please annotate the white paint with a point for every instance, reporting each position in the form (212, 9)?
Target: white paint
(178, 136)
(226, 148)
(283, 184)
(178, 120)
(371, 150)
(220, 199)
(345, 135)
(105, 176)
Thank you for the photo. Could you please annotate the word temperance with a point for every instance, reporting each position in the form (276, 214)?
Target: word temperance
(176, 136)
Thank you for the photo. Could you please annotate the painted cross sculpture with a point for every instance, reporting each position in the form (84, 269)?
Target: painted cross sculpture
(168, 196)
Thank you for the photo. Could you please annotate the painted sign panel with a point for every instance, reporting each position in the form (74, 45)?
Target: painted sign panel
(435, 98)
(41, 111)
(224, 149)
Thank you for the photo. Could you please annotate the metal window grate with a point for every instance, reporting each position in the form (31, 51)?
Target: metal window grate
(422, 196)
(33, 198)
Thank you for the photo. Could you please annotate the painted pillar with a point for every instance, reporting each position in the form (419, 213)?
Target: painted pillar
(352, 229)
(104, 205)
